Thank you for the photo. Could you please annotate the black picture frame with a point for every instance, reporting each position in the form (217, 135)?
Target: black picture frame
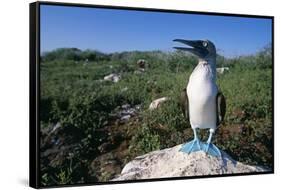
(34, 89)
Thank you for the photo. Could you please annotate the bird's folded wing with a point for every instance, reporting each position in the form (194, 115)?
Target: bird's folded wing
(221, 107)
(184, 104)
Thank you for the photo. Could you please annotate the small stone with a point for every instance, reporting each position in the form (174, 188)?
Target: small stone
(112, 77)
(156, 103)
(125, 117)
(125, 106)
(124, 89)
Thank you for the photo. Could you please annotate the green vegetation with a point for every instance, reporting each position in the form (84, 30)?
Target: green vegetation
(92, 144)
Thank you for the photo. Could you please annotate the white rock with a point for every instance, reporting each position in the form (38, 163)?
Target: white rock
(138, 72)
(171, 162)
(58, 125)
(221, 70)
(116, 78)
(112, 77)
(125, 117)
(124, 89)
(155, 103)
(126, 106)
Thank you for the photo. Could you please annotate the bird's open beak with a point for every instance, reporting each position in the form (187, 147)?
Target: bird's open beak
(197, 47)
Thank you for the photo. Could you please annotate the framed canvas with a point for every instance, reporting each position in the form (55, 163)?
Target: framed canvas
(121, 94)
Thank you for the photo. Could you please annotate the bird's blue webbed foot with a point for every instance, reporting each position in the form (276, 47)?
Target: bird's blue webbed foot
(192, 146)
(212, 149)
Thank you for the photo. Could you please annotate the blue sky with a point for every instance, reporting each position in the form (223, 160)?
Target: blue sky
(111, 30)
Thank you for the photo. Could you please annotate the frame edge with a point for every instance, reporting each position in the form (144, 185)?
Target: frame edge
(33, 89)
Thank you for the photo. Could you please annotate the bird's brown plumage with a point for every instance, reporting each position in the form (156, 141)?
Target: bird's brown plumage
(184, 104)
(221, 107)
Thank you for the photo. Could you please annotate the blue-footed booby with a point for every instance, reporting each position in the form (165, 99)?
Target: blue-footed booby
(202, 103)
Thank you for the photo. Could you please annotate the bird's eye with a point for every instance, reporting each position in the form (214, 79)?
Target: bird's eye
(205, 44)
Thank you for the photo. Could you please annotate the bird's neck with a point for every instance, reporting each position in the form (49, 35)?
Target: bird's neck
(210, 63)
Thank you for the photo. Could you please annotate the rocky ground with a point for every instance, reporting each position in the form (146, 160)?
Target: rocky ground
(171, 162)
(60, 145)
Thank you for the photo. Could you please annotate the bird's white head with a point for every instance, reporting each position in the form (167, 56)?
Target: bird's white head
(205, 50)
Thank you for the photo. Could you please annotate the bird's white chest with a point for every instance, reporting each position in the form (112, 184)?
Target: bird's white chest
(202, 91)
